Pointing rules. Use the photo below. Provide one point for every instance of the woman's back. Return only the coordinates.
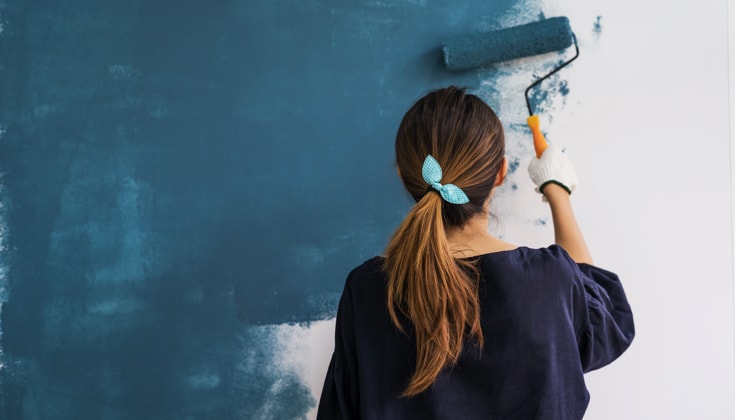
(424, 333)
(541, 316)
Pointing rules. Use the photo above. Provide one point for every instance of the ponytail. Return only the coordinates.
(430, 290)
(435, 291)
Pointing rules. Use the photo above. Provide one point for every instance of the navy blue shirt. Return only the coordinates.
(546, 320)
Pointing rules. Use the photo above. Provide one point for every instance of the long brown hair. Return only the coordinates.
(434, 290)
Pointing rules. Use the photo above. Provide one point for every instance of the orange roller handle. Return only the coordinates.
(539, 141)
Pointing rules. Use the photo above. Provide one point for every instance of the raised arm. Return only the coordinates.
(555, 178)
(567, 233)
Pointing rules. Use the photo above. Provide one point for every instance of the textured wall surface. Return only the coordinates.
(180, 174)
(186, 184)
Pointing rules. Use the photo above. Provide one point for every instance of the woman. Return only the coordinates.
(453, 323)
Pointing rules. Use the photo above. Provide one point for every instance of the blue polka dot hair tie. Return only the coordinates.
(432, 174)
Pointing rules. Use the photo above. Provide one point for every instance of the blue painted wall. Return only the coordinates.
(177, 171)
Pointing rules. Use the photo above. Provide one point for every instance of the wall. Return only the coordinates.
(186, 185)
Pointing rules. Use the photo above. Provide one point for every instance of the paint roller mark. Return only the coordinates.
(513, 165)
(268, 377)
(546, 94)
(123, 73)
(282, 368)
(203, 381)
(597, 25)
(563, 88)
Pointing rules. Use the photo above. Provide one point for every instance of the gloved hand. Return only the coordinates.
(553, 166)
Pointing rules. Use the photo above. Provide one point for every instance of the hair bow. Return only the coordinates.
(432, 174)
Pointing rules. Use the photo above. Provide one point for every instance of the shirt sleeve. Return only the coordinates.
(340, 394)
(603, 315)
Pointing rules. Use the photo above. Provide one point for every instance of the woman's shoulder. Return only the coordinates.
(525, 264)
(370, 271)
(548, 260)
(553, 254)
(370, 266)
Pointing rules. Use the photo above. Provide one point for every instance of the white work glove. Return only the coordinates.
(553, 166)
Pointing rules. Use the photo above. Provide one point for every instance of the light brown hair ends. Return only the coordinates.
(434, 290)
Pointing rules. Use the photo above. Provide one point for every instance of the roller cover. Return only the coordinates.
(477, 50)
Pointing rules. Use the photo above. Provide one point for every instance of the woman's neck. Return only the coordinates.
(473, 239)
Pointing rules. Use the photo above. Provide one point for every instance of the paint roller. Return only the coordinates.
(482, 49)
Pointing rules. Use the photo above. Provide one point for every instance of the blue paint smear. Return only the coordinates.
(177, 173)
(597, 25)
(513, 165)
(542, 95)
(564, 88)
